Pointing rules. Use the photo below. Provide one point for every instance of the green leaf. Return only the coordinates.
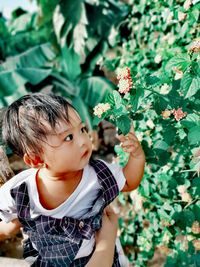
(66, 15)
(196, 187)
(95, 90)
(161, 145)
(190, 85)
(70, 62)
(182, 62)
(124, 124)
(152, 80)
(82, 109)
(34, 75)
(117, 99)
(184, 218)
(35, 57)
(10, 81)
(194, 136)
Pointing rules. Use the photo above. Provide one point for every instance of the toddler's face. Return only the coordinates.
(69, 147)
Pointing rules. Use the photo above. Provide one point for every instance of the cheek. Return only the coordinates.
(89, 142)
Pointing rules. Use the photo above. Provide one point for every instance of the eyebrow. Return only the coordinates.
(67, 130)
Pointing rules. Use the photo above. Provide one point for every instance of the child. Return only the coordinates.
(59, 201)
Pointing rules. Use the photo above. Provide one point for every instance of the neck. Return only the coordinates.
(46, 174)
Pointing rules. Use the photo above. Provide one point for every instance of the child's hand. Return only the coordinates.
(131, 144)
(107, 234)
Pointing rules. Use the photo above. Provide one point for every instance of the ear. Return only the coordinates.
(33, 160)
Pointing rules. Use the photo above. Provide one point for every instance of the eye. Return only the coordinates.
(69, 137)
(84, 129)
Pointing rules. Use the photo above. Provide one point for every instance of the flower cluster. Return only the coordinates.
(178, 114)
(196, 244)
(195, 46)
(196, 227)
(125, 80)
(185, 196)
(101, 108)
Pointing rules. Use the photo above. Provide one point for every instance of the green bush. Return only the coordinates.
(59, 49)
(157, 44)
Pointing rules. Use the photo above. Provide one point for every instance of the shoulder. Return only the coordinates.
(117, 172)
(17, 180)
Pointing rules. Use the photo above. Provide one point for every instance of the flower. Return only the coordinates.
(186, 197)
(181, 16)
(165, 88)
(196, 244)
(196, 227)
(101, 108)
(166, 238)
(125, 80)
(187, 4)
(123, 73)
(181, 189)
(179, 114)
(158, 59)
(125, 85)
(195, 46)
(150, 124)
(166, 114)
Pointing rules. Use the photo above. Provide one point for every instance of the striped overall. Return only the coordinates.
(57, 241)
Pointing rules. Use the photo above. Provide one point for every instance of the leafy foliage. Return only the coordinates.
(59, 48)
(164, 103)
(56, 49)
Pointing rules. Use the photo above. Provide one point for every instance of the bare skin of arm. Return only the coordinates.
(105, 241)
(134, 169)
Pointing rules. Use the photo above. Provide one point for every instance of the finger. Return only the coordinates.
(132, 128)
(121, 138)
(129, 149)
(127, 143)
(108, 209)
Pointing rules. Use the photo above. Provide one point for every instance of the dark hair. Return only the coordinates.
(22, 128)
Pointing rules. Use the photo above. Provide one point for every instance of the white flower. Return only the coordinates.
(123, 73)
(165, 88)
(157, 59)
(195, 46)
(101, 108)
(150, 124)
(181, 189)
(186, 197)
(124, 85)
(137, 200)
(181, 16)
(153, 18)
(166, 238)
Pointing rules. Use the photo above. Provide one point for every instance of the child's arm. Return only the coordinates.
(9, 229)
(134, 169)
(105, 241)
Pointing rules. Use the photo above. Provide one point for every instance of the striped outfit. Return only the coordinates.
(57, 241)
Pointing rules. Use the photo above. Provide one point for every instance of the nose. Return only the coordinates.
(81, 141)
